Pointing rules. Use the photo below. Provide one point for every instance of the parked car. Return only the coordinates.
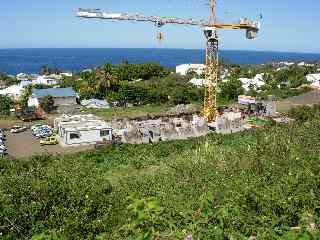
(17, 129)
(41, 131)
(34, 127)
(3, 147)
(43, 134)
(49, 141)
(2, 136)
(3, 153)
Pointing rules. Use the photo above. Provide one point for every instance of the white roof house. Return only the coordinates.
(22, 76)
(198, 82)
(183, 69)
(15, 91)
(313, 77)
(46, 80)
(66, 74)
(314, 80)
(257, 82)
(82, 129)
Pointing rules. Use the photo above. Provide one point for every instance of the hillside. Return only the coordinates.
(257, 183)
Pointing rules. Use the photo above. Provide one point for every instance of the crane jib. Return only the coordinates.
(160, 21)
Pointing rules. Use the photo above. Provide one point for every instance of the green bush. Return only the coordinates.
(6, 104)
(305, 113)
(146, 71)
(161, 91)
(230, 90)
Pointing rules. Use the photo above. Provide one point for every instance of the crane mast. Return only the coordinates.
(212, 43)
(212, 67)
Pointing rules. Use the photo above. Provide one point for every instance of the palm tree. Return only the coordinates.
(45, 70)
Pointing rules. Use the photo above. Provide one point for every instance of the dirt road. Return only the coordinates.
(22, 145)
(309, 98)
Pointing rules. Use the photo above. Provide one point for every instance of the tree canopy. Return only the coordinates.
(47, 103)
(6, 104)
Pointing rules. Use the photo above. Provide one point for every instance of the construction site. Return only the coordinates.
(210, 118)
(244, 115)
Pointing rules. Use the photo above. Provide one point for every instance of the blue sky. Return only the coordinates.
(288, 25)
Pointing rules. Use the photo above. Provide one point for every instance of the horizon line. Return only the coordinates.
(152, 48)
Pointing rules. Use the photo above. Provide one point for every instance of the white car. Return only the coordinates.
(3, 147)
(34, 127)
(17, 129)
(3, 152)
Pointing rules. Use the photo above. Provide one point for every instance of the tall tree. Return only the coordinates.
(47, 103)
(45, 70)
(25, 95)
(5, 105)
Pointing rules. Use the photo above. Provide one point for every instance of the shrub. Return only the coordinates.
(6, 104)
(305, 113)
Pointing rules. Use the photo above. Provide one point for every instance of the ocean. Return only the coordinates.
(13, 61)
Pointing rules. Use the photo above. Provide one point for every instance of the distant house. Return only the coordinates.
(22, 76)
(47, 80)
(61, 96)
(15, 91)
(256, 82)
(66, 74)
(183, 69)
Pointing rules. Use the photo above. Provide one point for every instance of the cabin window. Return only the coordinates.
(104, 133)
(74, 135)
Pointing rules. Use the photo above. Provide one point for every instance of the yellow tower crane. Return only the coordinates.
(212, 45)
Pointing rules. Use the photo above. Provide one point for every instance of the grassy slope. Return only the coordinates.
(254, 183)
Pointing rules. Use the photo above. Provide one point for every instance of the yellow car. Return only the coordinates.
(49, 141)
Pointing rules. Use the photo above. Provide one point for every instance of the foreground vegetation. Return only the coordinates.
(256, 183)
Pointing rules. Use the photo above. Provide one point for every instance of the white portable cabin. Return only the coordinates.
(82, 130)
